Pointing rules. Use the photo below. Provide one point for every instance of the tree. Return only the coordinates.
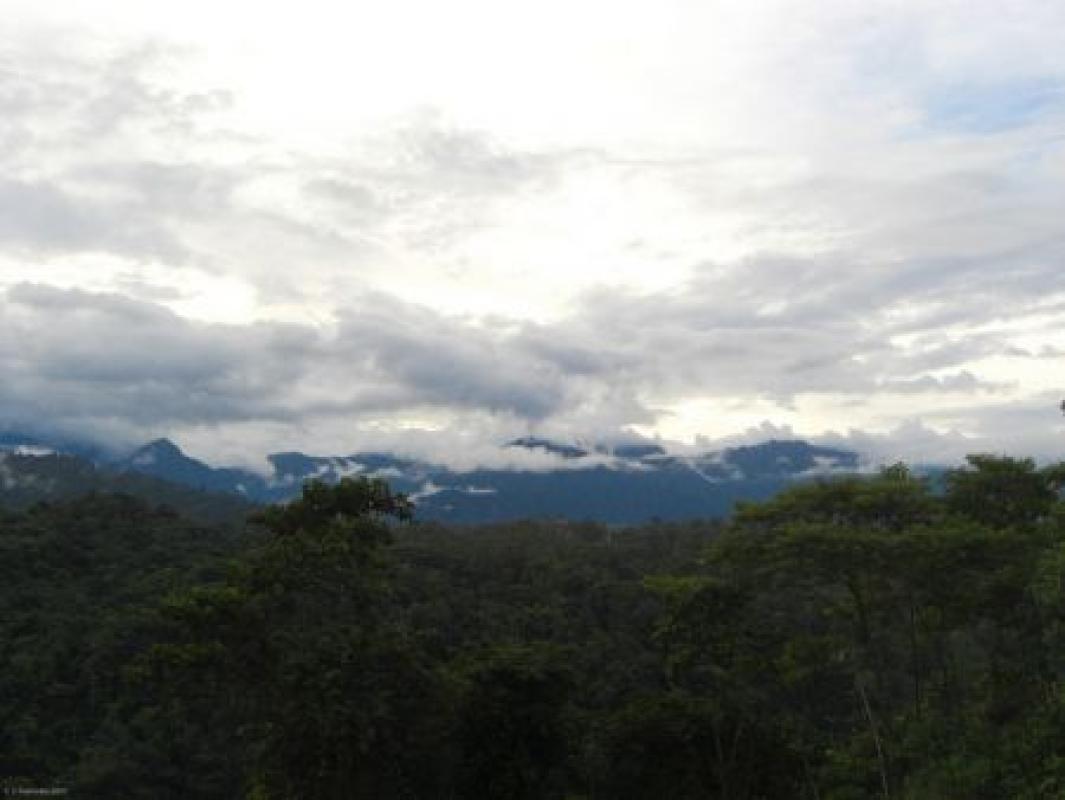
(1001, 492)
(510, 724)
(298, 653)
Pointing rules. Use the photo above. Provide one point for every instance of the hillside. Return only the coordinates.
(863, 637)
(626, 484)
(28, 478)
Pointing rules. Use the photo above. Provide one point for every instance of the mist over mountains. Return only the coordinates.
(617, 484)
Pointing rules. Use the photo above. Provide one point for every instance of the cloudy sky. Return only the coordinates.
(435, 226)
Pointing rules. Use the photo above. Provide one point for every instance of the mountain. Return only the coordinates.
(618, 484)
(641, 482)
(163, 459)
(22, 442)
(547, 446)
(28, 476)
(781, 459)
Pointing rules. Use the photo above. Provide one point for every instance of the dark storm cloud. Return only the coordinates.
(69, 355)
(766, 327)
(442, 362)
(77, 354)
(73, 355)
(106, 135)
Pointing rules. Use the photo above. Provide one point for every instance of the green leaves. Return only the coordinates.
(851, 638)
(299, 632)
(323, 506)
(511, 729)
(1002, 492)
(890, 501)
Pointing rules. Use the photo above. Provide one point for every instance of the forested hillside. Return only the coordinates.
(619, 484)
(29, 479)
(851, 638)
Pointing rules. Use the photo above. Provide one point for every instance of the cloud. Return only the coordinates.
(963, 381)
(687, 219)
(1032, 429)
(42, 218)
(444, 362)
(89, 164)
(78, 359)
(104, 361)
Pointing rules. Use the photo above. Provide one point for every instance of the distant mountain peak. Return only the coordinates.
(158, 448)
(161, 443)
(624, 481)
(788, 456)
(164, 459)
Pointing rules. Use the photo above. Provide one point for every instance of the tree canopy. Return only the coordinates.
(872, 636)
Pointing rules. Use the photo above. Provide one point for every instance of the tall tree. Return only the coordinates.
(300, 655)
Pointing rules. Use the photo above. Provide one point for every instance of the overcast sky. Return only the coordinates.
(434, 226)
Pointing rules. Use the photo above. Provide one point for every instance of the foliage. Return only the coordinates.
(854, 638)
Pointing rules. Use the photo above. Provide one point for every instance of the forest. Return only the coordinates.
(859, 637)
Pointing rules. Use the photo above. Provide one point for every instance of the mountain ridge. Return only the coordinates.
(620, 484)
(27, 479)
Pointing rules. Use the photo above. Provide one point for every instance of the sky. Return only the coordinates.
(433, 227)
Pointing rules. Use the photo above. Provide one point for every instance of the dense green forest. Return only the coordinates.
(865, 637)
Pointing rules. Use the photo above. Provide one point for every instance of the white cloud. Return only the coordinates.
(685, 217)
